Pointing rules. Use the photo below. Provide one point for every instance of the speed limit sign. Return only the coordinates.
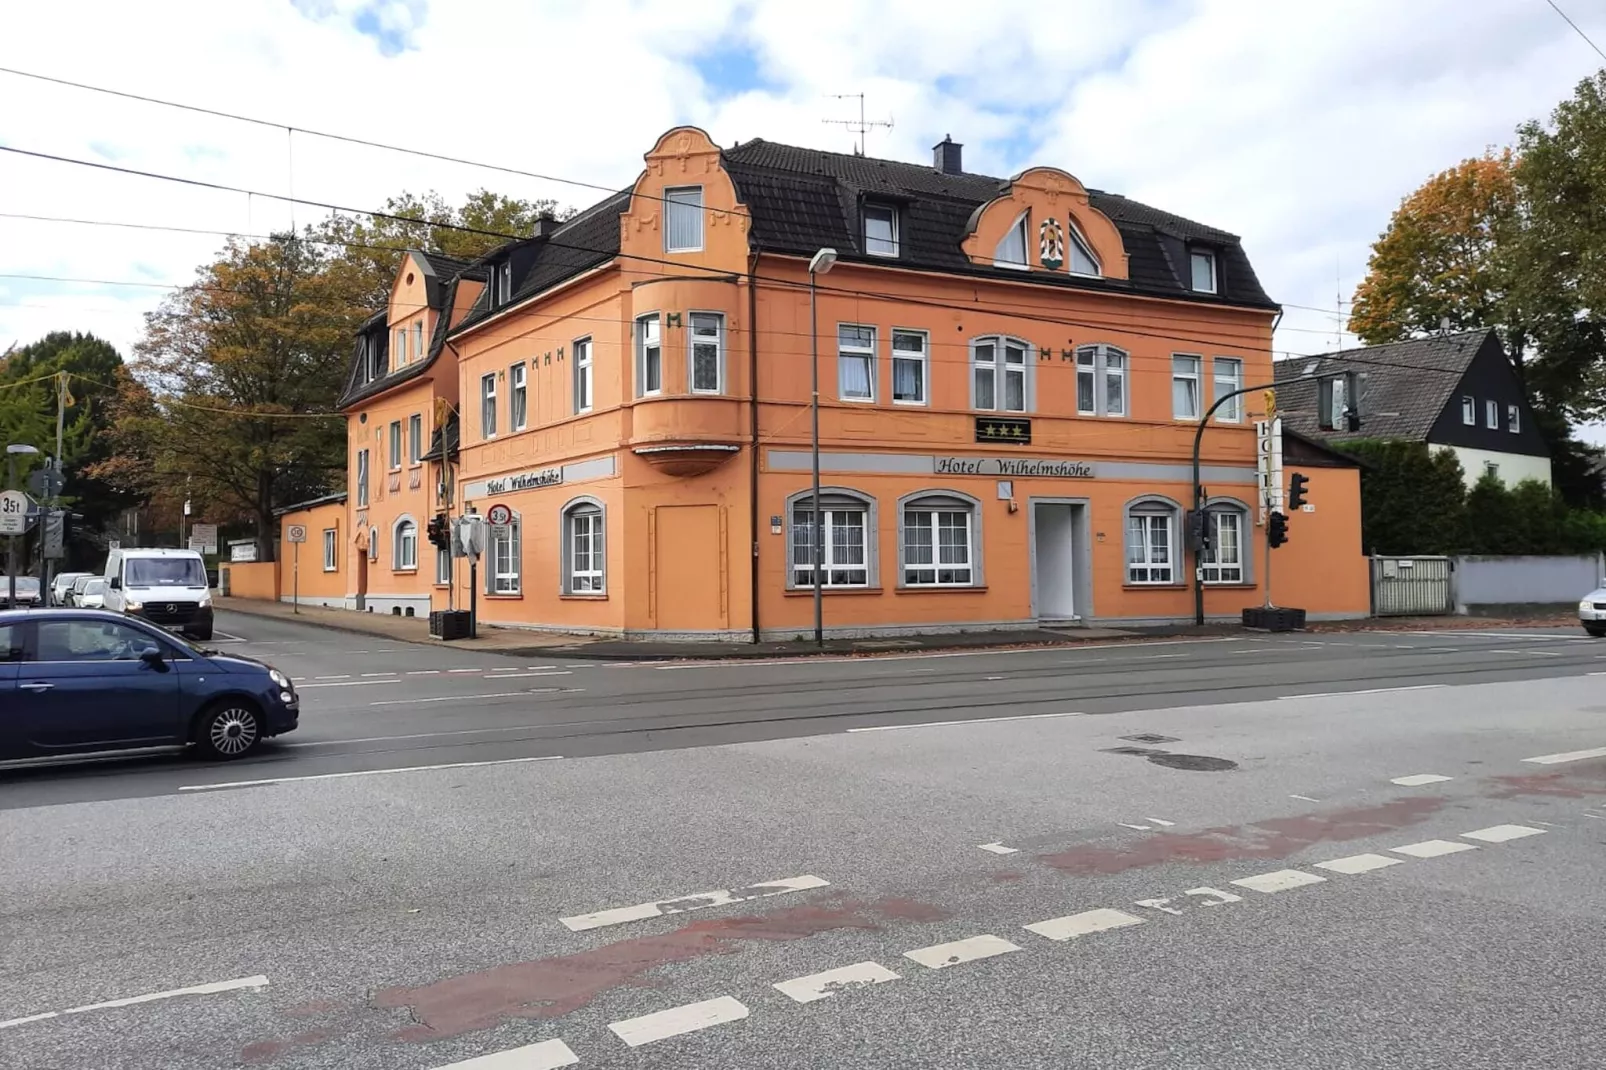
(295, 533)
(499, 516)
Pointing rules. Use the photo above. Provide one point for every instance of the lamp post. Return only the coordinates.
(822, 262)
(13, 451)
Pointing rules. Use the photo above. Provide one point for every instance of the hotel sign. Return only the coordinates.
(1014, 467)
(532, 480)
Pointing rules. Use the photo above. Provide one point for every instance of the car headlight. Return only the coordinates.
(134, 605)
(206, 599)
(1586, 604)
(279, 679)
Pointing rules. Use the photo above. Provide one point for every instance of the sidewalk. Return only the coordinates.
(517, 642)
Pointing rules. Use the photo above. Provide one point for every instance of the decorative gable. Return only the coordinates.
(1043, 221)
(684, 205)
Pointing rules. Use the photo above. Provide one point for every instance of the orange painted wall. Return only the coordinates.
(253, 579)
(1321, 567)
(301, 573)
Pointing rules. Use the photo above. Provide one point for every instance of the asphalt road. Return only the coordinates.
(1025, 859)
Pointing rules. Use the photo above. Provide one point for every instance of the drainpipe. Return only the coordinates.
(752, 406)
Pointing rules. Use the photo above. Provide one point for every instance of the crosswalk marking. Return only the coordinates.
(661, 1025)
(1568, 756)
(1358, 863)
(1502, 833)
(547, 1055)
(1432, 848)
(1416, 780)
(1088, 921)
(941, 956)
(827, 984)
(1278, 880)
(700, 901)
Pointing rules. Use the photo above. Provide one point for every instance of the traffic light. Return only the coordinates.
(1276, 530)
(1296, 490)
(440, 535)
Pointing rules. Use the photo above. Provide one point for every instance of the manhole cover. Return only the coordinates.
(1140, 751)
(1193, 762)
(1151, 737)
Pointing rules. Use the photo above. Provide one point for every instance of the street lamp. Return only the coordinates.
(822, 262)
(13, 451)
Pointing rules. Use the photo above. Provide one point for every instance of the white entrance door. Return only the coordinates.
(1055, 571)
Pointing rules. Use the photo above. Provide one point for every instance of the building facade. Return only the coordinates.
(1010, 376)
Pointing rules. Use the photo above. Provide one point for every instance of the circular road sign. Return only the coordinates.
(499, 515)
(295, 532)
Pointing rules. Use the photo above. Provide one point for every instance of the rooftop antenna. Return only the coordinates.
(859, 126)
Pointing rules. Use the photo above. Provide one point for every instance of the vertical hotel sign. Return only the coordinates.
(1269, 464)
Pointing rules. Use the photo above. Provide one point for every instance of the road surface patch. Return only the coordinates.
(547, 1055)
(660, 1025)
(1502, 833)
(1088, 921)
(700, 901)
(1363, 863)
(827, 984)
(1279, 880)
(958, 952)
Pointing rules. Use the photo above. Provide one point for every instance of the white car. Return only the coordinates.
(61, 585)
(93, 596)
(1592, 612)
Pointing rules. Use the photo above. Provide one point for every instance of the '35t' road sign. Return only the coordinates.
(14, 509)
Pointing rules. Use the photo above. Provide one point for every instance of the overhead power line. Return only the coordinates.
(1577, 29)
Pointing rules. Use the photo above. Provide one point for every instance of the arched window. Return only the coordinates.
(404, 544)
(1000, 374)
(847, 521)
(1152, 524)
(373, 544)
(1227, 556)
(585, 560)
(939, 540)
(1011, 250)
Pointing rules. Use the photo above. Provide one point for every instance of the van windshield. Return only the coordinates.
(163, 572)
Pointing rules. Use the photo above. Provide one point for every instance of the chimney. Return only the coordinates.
(945, 156)
(545, 224)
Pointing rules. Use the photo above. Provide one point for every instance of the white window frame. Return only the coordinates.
(1491, 468)
(1228, 375)
(443, 566)
(1215, 569)
(518, 396)
(1208, 257)
(331, 551)
(373, 544)
(1021, 227)
(395, 444)
(1079, 242)
(835, 503)
(592, 581)
(418, 339)
(697, 326)
(509, 581)
(488, 405)
(1154, 512)
(363, 474)
(1469, 410)
(415, 439)
(891, 213)
(504, 283)
(929, 504)
(1000, 367)
(401, 346)
(649, 341)
(1187, 372)
(1491, 415)
(404, 544)
(1093, 367)
(1514, 419)
(921, 359)
(855, 350)
(584, 382)
(678, 199)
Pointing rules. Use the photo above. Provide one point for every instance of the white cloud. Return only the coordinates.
(1297, 126)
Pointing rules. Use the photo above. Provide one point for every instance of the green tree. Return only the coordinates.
(1413, 500)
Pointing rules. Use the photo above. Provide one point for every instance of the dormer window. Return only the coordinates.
(504, 284)
(1083, 262)
(1011, 251)
(880, 230)
(1203, 262)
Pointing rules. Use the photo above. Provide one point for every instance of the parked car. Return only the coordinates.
(93, 596)
(61, 587)
(1592, 612)
(74, 681)
(166, 587)
(78, 587)
(27, 588)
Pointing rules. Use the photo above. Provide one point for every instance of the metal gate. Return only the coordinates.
(1411, 586)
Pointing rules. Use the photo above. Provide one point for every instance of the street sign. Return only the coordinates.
(45, 482)
(55, 534)
(15, 512)
(206, 534)
(499, 516)
(242, 550)
(198, 544)
(295, 533)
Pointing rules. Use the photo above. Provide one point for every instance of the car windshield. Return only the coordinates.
(163, 572)
(25, 584)
(95, 587)
(82, 583)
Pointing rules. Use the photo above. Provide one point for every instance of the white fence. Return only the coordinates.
(1509, 581)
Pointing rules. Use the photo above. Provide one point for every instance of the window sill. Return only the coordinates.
(331, 570)
(404, 571)
(505, 597)
(922, 588)
(1235, 585)
(857, 401)
(1177, 586)
(601, 596)
(910, 404)
(808, 592)
(442, 586)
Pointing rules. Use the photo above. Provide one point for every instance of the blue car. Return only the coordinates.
(74, 681)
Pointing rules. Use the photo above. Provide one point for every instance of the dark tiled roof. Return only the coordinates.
(357, 390)
(446, 436)
(439, 269)
(1405, 386)
(327, 499)
(805, 199)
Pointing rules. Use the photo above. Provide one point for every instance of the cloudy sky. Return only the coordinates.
(1296, 125)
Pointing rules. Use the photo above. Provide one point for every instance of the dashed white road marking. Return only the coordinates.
(365, 772)
(1568, 756)
(1416, 780)
(423, 672)
(825, 985)
(256, 983)
(1502, 833)
(1088, 921)
(682, 904)
(522, 675)
(1140, 828)
(452, 698)
(954, 953)
(380, 674)
(1365, 691)
(970, 720)
(1432, 848)
(661, 1025)
(348, 683)
(1305, 798)
(465, 670)
(1280, 880)
(551, 666)
(998, 848)
(1364, 863)
(1162, 823)
(547, 1055)
(339, 676)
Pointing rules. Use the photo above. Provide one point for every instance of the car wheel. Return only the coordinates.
(1596, 630)
(229, 729)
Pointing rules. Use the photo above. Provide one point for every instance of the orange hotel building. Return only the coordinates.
(1011, 371)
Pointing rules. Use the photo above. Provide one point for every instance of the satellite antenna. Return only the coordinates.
(859, 126)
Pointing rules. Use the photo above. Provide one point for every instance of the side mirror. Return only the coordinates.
(152, 657)
(116, 583)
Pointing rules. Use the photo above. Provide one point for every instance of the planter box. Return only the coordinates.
(449, 624)
(1277, 619)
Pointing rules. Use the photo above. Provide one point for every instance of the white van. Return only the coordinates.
(166, 587)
